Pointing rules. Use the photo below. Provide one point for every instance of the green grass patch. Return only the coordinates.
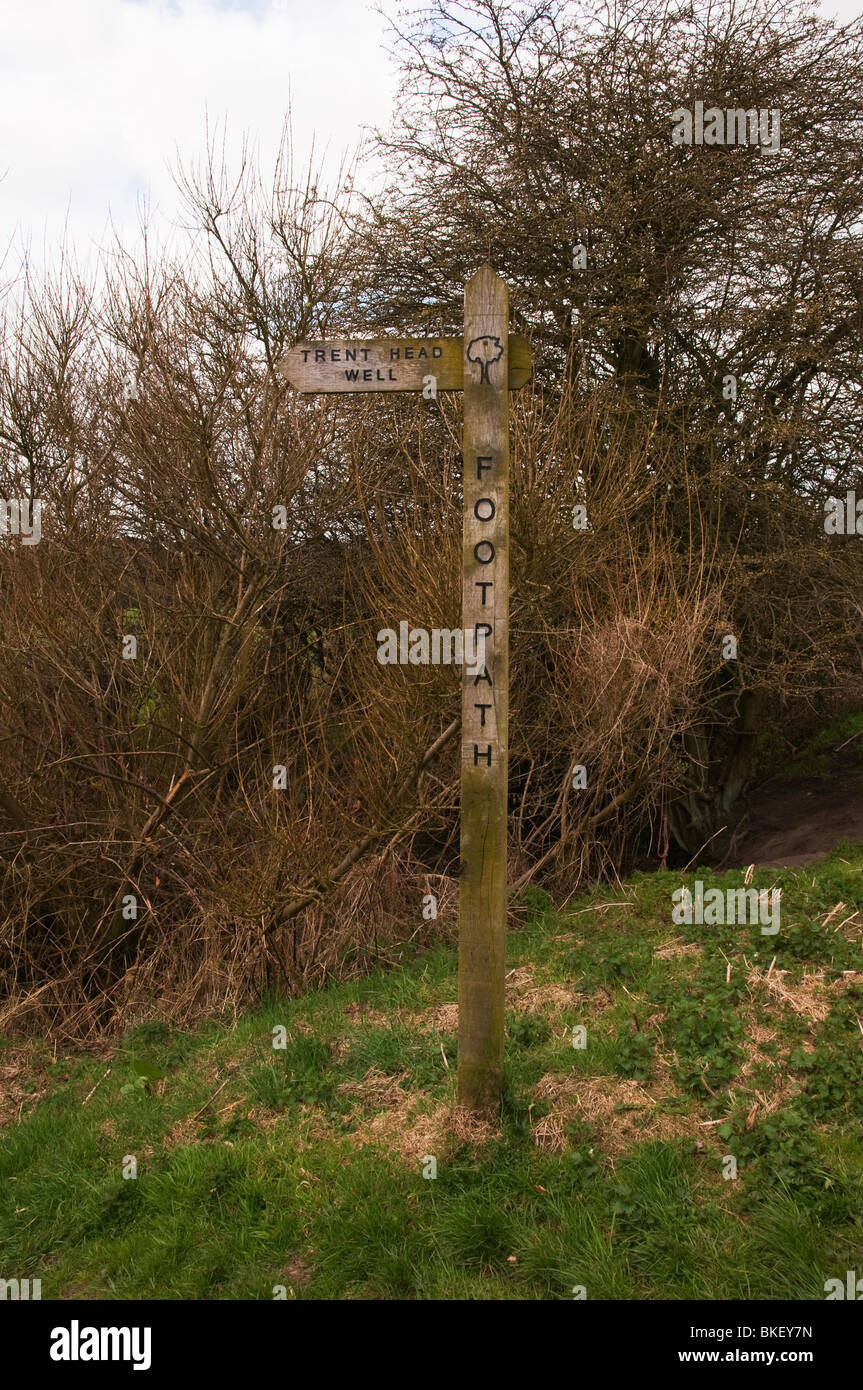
(306, 1167)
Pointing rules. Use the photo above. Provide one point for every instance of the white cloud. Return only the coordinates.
(97, 98)
(843, 10)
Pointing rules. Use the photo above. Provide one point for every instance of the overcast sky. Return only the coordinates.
(97, 97)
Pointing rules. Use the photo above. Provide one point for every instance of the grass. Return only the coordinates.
(300, 1169)
(818, 756)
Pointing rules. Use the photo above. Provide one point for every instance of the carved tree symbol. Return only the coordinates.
(484, 351)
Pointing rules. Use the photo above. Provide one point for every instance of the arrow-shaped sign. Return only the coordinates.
(399, 364)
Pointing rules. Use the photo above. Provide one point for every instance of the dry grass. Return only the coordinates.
(376, 1088)
(776, 1087)
(364, 1013)
(297, 1273)
(552, 998)
(13, 1074)
(674, 950)
(183, 1132)
(620, 1111)
(411, 1132)
(441, 1018)
(811, 997)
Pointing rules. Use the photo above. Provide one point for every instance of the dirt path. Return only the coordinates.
(785, 824)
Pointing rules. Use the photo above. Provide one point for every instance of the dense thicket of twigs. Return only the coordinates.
(146, 411)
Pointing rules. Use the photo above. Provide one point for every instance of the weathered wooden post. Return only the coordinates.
(485, 693)
(486, 365)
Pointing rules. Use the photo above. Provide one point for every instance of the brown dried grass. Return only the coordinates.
(810, 997)
(376, 1088)
(412, 1132)
(620, 1111)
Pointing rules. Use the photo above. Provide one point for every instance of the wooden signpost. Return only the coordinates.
(390, 364)
(487, 363)
(485, 697)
